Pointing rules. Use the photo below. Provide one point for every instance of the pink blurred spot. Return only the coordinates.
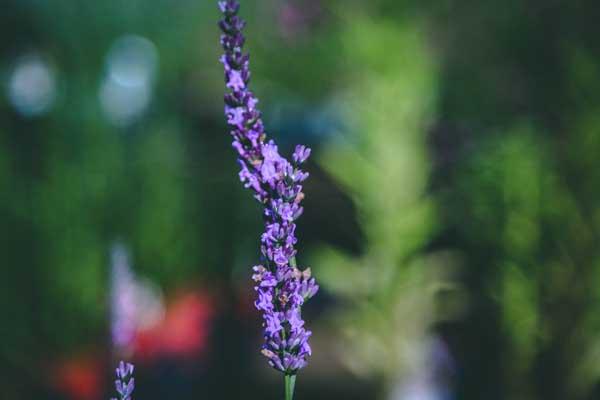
(183, 332)
(296, 19)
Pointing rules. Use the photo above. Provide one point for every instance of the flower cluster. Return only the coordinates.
(125, 382)
(281, 286)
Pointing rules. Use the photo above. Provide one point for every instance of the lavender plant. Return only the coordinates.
(281, 286)
(125, 382)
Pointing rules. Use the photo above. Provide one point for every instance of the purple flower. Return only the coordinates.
(301, 154)
(265, 299)
(235, 80)
(235, 115)
(281, 287)
(229, 7)
(125, 382)
(124, 370)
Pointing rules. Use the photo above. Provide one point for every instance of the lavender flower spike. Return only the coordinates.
(282, 287)
(125, 382)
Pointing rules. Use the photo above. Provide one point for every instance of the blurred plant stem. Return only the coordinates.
(389, 290)
(290, 382)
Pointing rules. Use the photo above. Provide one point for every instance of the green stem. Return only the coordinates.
(290, 382)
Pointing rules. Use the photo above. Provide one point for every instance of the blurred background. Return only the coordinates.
(451, 215)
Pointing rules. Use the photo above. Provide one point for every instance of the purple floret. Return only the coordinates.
(281, 287)
(125, 382)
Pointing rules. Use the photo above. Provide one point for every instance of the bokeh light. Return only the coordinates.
(32, 86)
(127, 88)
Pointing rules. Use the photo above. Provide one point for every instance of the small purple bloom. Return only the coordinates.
(235, 115)
(281, 287)
(270, 152)
(268, 171)
(229, 7)
(272, 323)
(265, 300)
(301, 154)
(124, 369)
(279, 257)
(125, 382)
(293, 317)
(235, 80)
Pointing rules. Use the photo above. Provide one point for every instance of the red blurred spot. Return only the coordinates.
(79, 378)
(182, 333)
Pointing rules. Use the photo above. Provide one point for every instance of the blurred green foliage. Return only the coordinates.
(382, 163)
